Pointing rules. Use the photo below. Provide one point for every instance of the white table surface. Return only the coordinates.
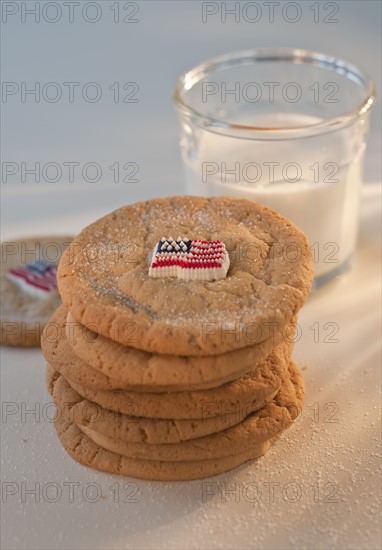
(323, 461)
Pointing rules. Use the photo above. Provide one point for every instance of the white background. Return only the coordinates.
(317, 456)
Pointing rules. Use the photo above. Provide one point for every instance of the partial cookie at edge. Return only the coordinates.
(23, 316)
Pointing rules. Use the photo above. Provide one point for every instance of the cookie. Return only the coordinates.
(29, 293)
(58, 353)
(256, 428)
(127, 427)
(94, 361)
(154, 372)
(257, 386)
(193, 459)
(83, 449)
(104, 276)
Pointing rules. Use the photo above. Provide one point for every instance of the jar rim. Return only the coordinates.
(246, 57)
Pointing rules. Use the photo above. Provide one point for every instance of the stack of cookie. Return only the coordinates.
(170, 359)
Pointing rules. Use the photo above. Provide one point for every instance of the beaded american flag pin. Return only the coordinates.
(190, 260)
(38, 278)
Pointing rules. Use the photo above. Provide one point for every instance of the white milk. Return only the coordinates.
(323, 201)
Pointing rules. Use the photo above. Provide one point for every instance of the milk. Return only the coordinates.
(315, 183)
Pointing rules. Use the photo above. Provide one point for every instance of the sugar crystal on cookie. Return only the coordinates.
(190, 260)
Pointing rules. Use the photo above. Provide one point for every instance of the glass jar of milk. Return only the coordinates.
(285, 128)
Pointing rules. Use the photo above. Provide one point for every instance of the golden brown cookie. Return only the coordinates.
(156, 372)
(127, 427)
(254, 429)
(83, 449)
(28, 289)
(193, 459)
(256, 387)
(104, 276)
(93, 361)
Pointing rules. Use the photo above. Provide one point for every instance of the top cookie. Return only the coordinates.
(104, 277)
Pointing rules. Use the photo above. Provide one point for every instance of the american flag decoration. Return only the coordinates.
(190, 260)
(38, 278)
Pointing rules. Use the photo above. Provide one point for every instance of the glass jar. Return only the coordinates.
(286, 128)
